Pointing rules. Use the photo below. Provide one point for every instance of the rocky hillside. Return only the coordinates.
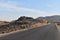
(21, 23)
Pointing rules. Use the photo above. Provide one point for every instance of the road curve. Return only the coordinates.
(48, 32)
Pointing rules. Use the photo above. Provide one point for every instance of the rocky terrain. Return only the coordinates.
(21, 23)
(26, 22)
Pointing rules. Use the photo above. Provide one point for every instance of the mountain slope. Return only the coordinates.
(21, 23)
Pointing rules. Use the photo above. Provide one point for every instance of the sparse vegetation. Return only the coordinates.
(22, 23)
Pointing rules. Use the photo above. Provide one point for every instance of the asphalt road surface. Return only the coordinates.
(48, 32)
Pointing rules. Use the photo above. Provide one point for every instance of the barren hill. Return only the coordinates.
(21, 23)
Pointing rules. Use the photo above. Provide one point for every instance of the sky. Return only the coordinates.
(13, 9)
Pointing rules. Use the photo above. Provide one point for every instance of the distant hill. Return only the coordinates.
(3, 22)
(55, 18)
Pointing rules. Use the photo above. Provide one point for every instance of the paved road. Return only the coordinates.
(47, 32)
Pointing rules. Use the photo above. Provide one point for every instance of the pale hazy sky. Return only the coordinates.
(12, 9)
